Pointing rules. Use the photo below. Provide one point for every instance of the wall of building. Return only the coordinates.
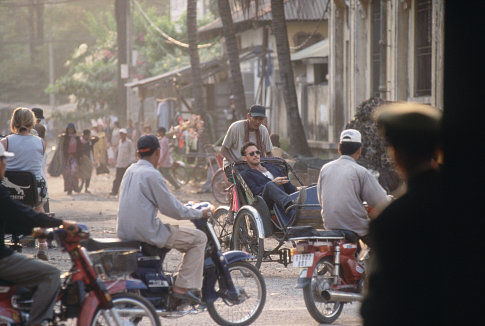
(350, 65)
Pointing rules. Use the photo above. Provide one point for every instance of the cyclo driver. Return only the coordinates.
(19, 269)
(144, 193)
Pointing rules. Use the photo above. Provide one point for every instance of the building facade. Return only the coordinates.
(387, 48)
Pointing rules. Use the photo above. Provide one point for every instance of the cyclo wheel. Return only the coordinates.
(252, 291)
(131, 309)
(223, 222)
(219, 185)
(245, 236)
(321, 310)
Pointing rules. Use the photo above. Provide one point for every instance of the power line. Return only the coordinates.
(314, 31)
(165, 35)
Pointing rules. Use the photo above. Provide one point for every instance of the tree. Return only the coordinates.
(197, 85)
(237, 87)
(298, 142)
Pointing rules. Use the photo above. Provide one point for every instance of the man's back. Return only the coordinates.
(342, 187)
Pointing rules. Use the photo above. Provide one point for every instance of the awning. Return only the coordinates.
(317, 50)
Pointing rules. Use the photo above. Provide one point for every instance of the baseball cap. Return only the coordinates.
(147, 143)
(123, 131)
(350, 136)
(3, 152)
(38, 112)
(257, 111)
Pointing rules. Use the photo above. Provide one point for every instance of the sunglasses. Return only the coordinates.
(254, 153)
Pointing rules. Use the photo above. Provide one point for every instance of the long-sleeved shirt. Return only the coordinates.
(17, 218)
(144, 193)
(343, 186)
(126, 153)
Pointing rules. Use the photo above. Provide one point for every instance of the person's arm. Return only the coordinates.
(227, 155)
(268, 146)
(21, 217)
(373, 194)
(167, 204)
(94, 139)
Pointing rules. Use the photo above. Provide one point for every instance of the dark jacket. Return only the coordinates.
(65, 145)
(406, 245)
(257, 180)
(17, 218)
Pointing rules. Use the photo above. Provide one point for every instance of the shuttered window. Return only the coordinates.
(422, 48)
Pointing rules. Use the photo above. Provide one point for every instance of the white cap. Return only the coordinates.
(351, 136)
(3, 152)
(123, 131)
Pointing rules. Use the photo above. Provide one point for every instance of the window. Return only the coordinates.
(320, 73)
(422, 48)
(375, 46)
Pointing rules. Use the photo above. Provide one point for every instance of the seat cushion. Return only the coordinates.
(109, 243)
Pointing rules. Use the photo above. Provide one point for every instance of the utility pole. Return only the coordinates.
(52, 96)
(123, 17)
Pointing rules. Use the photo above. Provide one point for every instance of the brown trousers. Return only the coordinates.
(191, 242)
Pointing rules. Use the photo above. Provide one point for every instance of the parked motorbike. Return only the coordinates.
(83, 294)
(233, 291)
(331, 273)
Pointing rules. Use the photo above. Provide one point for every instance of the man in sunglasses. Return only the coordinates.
(242, 131)
(268, 181)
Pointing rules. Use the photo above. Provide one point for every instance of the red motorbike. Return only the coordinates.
(83, 295)
(331, 272)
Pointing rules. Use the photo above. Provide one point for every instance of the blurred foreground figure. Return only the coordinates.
(405, 272)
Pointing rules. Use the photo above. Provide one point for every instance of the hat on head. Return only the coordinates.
(350, 136)
(3, 152)
(257, 111)
(38, 112)
(410, 125)
(123, 131)
(147, 143)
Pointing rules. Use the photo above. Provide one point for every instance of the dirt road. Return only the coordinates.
(284, 305)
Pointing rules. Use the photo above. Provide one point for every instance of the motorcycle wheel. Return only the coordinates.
(252, 289)
(223, 221)
(181, 174)
(245, 236)
(322, 311)
(131, 309)
(219, 186)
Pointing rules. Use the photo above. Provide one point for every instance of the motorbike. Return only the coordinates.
(332, 271)
(233, 291)
(83, 294)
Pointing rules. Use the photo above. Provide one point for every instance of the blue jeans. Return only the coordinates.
(273, 194)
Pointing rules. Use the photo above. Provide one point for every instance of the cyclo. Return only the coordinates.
(248, 221)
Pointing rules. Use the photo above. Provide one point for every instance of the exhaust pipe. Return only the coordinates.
(334, 296)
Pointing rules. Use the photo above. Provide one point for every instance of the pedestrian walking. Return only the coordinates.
(86, 161)
(100, 155)
(165, 162)
(71, 145)
(126, 156)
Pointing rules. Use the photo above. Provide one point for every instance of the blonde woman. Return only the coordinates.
(29, 154)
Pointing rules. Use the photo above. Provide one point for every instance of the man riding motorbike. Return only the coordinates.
(144, 193)
(343, 186)
(18, 218)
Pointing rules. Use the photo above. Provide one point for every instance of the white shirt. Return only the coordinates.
(126, 154)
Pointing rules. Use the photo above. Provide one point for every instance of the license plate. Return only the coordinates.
(303, 260)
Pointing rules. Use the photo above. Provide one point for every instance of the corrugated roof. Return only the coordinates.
(317, 50)
(295, 10)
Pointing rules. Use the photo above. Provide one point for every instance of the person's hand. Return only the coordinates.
(207, 212)
(70, 227)
(280, 180)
